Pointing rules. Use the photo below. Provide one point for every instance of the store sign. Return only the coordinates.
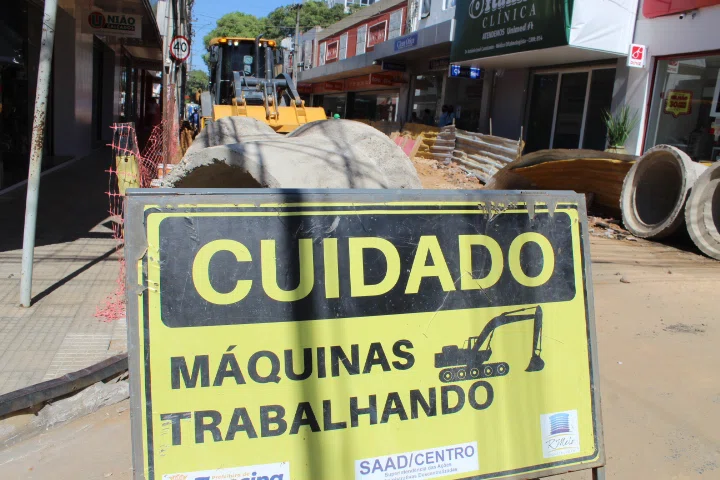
(338, 86)
(466, 72)
(393, 66)
(113, 24)
(305, 88)
(357, 83)
(407, 42)
(439, 64)
(490, 28)
(376, 79)
(331, 53)
(658, 8)
(637, 56)
(270, 331)
(377, 33)
(678, 102)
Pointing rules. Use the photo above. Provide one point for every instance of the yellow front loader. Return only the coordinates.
(247, 79)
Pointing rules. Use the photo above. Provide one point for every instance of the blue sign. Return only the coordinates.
(408, 41)
(466, 72)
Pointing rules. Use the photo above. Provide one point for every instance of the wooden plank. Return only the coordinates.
(72, 382)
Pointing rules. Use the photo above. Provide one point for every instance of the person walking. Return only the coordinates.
(195, 118)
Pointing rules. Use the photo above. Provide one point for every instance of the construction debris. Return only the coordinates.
(485, 155)
(595, 173)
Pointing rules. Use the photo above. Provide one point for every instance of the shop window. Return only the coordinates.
(448, 4)
(307, 55)
(425, 97)
(425, 8)
(321, 57)
(343, 46)
(395, 24)
(361, 39)
(685, 110)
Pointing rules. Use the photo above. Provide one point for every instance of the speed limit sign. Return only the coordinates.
(180, 48)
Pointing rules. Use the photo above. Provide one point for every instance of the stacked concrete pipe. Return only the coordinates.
(655, 191)
(702, 212)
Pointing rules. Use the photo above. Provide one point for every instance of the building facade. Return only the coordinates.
(380, 65)
(555, 67)
(107, 67)
(347, 3)
(677, 93)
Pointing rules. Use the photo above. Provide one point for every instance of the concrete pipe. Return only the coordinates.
(702, 212)
(654, 192)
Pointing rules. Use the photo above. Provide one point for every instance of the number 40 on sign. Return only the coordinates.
(180, 48)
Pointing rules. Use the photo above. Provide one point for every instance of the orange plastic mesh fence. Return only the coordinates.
(132, 168)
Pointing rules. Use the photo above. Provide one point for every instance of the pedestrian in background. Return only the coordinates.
(428, 117)
(444, 117)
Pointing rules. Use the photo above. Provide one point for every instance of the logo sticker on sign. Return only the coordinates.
(637, 56)
(560, 434)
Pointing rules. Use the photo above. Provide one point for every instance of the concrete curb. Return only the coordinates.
(72, 382)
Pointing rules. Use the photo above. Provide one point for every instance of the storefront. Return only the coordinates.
(685, 108)
(373, 97)
(565, 107)
(550, 66)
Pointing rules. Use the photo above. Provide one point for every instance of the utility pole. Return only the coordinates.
(296, 53)
(36, 150)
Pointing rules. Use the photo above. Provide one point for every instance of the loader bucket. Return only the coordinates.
(536, 363)
(288, 119)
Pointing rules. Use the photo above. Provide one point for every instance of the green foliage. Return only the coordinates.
(278, 24)
(236, 24)
(619, 125)
(281, 21)
(196, 79)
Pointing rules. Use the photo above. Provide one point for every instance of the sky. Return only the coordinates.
(207, 12)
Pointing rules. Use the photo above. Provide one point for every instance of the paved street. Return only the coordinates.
(660, 397)
(76, 269)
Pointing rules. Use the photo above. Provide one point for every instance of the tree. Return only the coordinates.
(280, 22)
(236, 24)
(196, 79)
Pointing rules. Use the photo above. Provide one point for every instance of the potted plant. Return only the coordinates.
(618, 128)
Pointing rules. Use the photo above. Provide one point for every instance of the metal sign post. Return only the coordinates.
(318, 335)
(36, 150)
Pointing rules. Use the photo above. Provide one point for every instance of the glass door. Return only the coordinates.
(569, 110)
(566, 109)
(542, 110)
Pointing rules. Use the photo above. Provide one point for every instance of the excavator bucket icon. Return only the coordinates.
(471, 361)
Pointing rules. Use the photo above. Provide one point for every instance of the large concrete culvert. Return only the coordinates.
(241, 152)
(702, 212)
(655, 190)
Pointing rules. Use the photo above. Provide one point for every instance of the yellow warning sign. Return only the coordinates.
(443, 338)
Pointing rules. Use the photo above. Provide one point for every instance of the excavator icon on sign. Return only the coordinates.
(471, 361)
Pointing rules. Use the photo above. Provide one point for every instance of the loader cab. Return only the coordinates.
(228, 55)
